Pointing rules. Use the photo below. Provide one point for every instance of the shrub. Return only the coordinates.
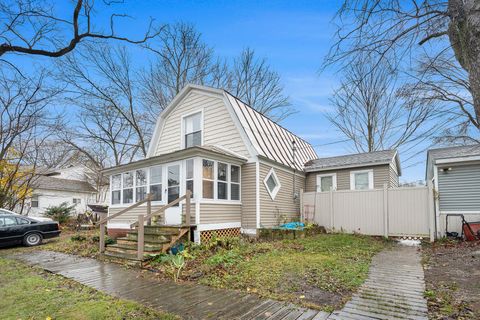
(61, 213)
(78, 238)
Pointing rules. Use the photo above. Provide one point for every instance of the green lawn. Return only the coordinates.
(29, 293)
(319, 271)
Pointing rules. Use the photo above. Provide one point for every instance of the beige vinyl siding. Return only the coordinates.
(272, 212)
(249, 206)
(132, 215)
(393, 176)
(220, 213)
(218, 126)
(381, 174)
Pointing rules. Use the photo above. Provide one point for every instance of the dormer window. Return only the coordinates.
(192, 127)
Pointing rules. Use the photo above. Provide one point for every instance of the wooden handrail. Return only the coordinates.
(186, 197)
(106, 219)
(141, 219)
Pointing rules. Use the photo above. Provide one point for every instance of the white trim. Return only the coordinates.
(320, 176)
(182, 126)
(117, 225)
(257, 192)
(437, 201)
(370, 178)
(248, 231)
(221, 201)
(218, 226)
(273, 193)
(361, 165)
(458, 159)
(460, 212)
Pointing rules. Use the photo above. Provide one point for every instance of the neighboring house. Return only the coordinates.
(455, 173)
(245, 171)
(370, 170)
(55, 186)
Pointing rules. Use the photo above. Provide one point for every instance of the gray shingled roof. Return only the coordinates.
(353, 160)
(51, 183)
(454, 152)
(448, 153)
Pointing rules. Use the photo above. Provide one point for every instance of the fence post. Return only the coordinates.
(431, 210)
(188, 206)
(332, 215)
(385, 211)
(149, 208)
(140, 236)
(302, 216)
(102, 237)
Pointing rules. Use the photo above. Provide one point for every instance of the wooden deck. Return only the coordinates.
(188, 301)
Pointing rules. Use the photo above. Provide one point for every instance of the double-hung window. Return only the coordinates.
(361, 180)
(156, 183)
(140, 184)
(234, 182)
(326, 182)
(127, 187)
(208, 179)
(116, 189)
(222, 181)
(189, 174)
(192, 125)
(34, 201)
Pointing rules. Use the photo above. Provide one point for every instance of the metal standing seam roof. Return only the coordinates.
(52, 183)
(351, 160)
(269, 138)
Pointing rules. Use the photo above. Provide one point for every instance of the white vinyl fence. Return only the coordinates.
(381, 212)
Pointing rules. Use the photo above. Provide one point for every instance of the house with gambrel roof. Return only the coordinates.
(245, 171)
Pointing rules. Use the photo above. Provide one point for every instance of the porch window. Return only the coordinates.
(140, 184)
(127, 187)
(156, 183)
(208, 179)
(272, 183)
(193, 130)
(189, 168)
(116, 189)
(361, 180)
(234, 182)
(222, 184)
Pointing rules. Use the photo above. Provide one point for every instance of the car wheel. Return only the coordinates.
(32, 239)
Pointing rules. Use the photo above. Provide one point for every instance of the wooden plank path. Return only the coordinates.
(394, 289)
(188, 301)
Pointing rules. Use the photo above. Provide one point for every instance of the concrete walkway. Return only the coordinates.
(394, 288)
(188, 301)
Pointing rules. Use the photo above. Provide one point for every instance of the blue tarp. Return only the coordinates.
(293, 226)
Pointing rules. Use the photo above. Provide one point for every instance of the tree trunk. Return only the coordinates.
(464, 34)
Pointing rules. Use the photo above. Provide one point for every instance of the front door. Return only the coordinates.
(173, 215)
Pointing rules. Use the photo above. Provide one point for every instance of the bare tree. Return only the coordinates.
(181, 57)
(24, 119)
(102, 84)
(254, 82)
(373, 113)
(37, 27)
(401, 32)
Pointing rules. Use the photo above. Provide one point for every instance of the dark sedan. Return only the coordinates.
(15, 229)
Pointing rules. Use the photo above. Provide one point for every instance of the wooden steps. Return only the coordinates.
(157, 239)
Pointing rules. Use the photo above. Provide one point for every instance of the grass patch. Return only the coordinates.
(319, 271)
(30, 293)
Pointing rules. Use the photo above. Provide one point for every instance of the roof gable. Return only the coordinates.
(261, 135)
